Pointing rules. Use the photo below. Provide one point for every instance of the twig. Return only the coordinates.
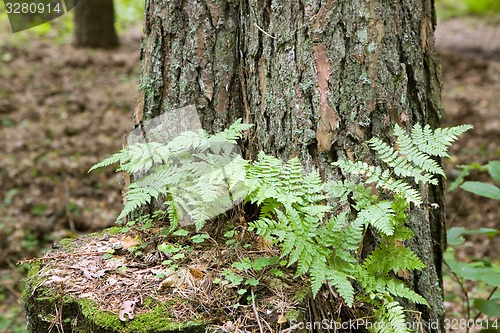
(265, 33)
(256, 313)
(29, 261)
(489, 298)
(464, 291)
(291, 328)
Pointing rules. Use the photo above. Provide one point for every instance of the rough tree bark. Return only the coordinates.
(317, 78)
(94, 24)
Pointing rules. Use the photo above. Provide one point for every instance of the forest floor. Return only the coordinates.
(63, 109)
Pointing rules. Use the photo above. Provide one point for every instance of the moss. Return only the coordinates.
(109, 231)
(32, 279)
(293, 315)
(66, 241)
(83, 315)
(156, 320)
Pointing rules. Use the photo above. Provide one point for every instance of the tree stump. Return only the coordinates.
(75, 289)
(95, 284)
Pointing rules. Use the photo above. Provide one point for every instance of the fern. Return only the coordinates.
(436, 143)
(382, 179)
(410, 151)
(390, 318)
(196, 171)
(319, 227)
(384, 260)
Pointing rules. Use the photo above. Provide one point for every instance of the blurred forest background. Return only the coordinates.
(62, 109)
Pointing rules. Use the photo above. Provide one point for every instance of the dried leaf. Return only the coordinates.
(195, 272)
(87, 274)
(128, 241)
(127, 308)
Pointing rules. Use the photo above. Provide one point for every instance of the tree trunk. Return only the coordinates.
(94, 24)
(317, 78)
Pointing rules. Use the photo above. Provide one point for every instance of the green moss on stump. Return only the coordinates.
(48, 313)
(48, 309)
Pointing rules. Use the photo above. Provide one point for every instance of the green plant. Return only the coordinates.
(298, 213)
(483, 189)
(200, 176)
(452, 8)
(483, 272)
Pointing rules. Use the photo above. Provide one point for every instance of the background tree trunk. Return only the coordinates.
(94, 24)
(317, 78)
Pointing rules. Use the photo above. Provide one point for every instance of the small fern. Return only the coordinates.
(319, 226)
(390, 318)
(199, 176)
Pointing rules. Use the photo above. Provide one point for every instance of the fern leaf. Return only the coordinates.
(399, 289)
(137, 197)
(400, 165)
(344, 287)
(318, 277)
(379, 215)
(380, 178)
(414, 155)
(436, 142)
(382, 261)
(390, 318)
(115, 158)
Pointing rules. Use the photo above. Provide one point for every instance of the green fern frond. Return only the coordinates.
(339, 189)
(389, 318)
(382, 179)
(236, 130)
(383, 260)
(115, 158)
(412, 153)
(344, 287)
(318, 277)
(379, 216)
(399, 165)
(137, 197)
(398, 288)
(436, 142)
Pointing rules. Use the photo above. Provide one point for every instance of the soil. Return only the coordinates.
(63, 109)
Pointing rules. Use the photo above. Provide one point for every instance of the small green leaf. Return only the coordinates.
(454, 236)
(489, 308)
(276, 272)
(476, 271)
(494, 170)
(242, 265)
(262, 262)
(490, 232)
(242, 291)
(181, 233)
(229, 234)
(200, 238)
(483, 189)
(178, 256)
(107, 256)
(252, 282)
(168, 248)
(230, 242)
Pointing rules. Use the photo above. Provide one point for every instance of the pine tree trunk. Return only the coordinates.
(94, 24)
(317, 78)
